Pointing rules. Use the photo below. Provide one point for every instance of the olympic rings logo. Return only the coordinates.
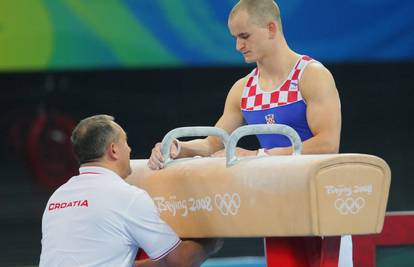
(349, 205)
(227, 204)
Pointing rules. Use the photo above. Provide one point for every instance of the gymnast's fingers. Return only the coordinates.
(156, 160)
(218, 154)
(175, 149)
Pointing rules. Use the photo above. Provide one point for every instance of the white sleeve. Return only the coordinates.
(148, 230)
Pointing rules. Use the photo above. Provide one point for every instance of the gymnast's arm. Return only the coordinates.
(187, 253)
(231, 119)
(323, 113)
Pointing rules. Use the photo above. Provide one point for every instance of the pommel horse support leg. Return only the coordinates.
(299, 196)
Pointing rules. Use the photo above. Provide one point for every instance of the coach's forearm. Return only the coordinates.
(189, 253)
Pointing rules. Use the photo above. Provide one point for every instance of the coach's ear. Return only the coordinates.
(112, 151)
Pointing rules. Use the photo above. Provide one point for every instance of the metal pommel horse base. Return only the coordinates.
(292, 200)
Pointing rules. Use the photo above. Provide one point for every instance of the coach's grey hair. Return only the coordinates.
(91, 137)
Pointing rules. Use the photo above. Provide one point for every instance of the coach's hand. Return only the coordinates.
(156, 160)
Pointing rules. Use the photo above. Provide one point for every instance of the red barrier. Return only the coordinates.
(398, 230)
(302, 251)
(316, 252)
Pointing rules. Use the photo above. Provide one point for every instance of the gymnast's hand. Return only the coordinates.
(156, 160)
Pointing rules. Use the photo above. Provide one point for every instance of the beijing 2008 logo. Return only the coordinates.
(349, 205)
(228, 204)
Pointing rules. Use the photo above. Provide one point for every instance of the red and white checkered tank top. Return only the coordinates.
(253, 98)
(284, 105)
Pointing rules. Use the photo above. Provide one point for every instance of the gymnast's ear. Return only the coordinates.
(273, 28)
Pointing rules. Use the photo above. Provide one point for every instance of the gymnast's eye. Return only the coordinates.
(244, 36)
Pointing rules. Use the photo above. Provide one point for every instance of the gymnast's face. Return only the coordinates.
(250, 38)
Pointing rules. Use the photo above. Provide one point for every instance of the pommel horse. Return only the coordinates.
(268, 196)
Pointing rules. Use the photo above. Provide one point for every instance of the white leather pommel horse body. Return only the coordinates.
(297, 195)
